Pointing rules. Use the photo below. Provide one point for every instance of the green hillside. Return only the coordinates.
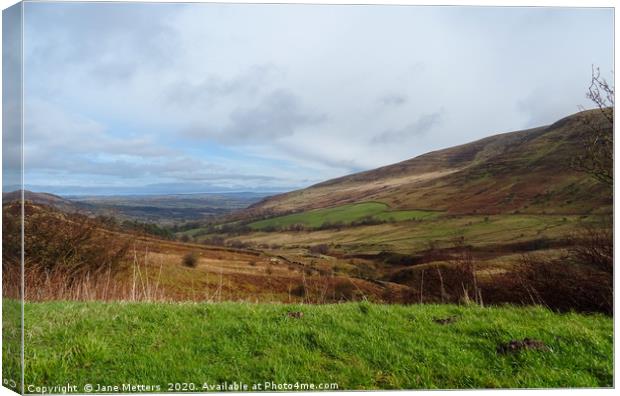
(344, 214)
(353, 345)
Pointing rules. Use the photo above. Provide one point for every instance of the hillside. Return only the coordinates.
(525, 171)
(100, 261)
(41, 198)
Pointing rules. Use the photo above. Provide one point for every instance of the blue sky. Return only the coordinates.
(215, 97)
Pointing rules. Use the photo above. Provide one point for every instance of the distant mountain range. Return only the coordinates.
(150, 189)
(168, 208)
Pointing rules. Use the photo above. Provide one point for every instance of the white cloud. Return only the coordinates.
(297, 91)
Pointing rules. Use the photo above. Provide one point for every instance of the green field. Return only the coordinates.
(344, 214)
(354, 345)
(407, 237)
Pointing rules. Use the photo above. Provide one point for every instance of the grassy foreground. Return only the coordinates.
(356, 345)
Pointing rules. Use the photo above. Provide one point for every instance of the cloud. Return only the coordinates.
(51, 130)
(108, 43)
(420, 127)
(11, 95)
(541, 103)
(393, 100)
(145, 93)
(213, 88)
(277, 115)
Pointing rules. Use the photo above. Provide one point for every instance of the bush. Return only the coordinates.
(215, 241)
(236, 244)
(319, 249)
(190, 259)
(61, 250)
(367, 271)
(564, 285)
(296, 227)
(595, 248)
(344, 290)
(299, 291)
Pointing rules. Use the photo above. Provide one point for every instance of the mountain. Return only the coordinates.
(525, 171)
(44, 199)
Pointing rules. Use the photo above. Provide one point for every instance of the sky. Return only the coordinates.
(169, 98)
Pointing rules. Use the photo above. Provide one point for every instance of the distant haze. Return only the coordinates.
(149, 189)
(170, 98)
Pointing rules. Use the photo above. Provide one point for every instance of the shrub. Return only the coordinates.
(190, 259)
(236, 244)
(594, 247)
(319, 249)
(344, 290)
(299, 290)
(296, 227)
(366, 270)
(215, 241)
(61, 251)
(564, 285)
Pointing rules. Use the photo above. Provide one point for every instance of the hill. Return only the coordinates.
(525, 171)
(42, 198)
(206, 345)
(105, 261)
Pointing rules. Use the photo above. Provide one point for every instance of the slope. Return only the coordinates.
(525, 171)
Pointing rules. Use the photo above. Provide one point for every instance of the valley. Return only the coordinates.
(479, 211)
(230, 197)
(462, 243)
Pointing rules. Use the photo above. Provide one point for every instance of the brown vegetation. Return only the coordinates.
(62, 252)
(74, 257)
(70, 256)
(581, 279)
(190, 259)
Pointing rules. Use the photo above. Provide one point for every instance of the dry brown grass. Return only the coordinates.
(72, 257)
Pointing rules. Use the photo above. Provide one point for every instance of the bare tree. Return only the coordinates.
(597, 137)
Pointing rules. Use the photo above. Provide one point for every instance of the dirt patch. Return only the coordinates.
(514, 346)
(446, 321)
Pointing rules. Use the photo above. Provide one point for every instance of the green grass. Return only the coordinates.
(11, 343)
(343, 214)
(356, 345)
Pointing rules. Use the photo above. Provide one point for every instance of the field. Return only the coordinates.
(382, 262)
(165, 209)
(407, 236)
(345, 344)
(343, 214)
